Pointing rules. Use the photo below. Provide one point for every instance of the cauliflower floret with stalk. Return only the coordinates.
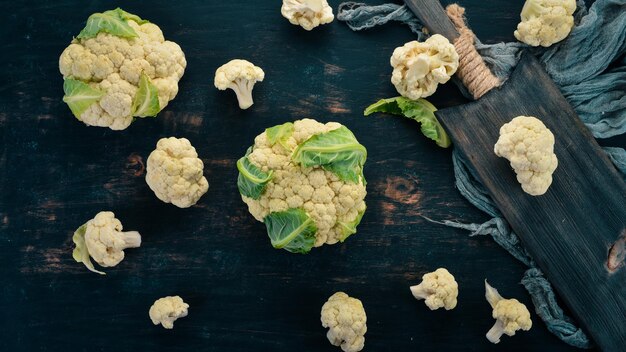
(345, 319)
(510, 315)
(418, 68)
(175, 173)
(240, 76)
(119, 67)
(305, 181)
(307, 14)
(545, 22)
(438, 290)
(529, 146)
(102, 239)
(167, 310)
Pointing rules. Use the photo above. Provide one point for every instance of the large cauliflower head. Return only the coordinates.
(175, 173)
(102, 239)
(510, 314)
(545, 22)
(167, 310)
(305, 181)
(438, 289)
(307, 14)
(118, 67)
(529, 146)
(418, 68)
(345, 319)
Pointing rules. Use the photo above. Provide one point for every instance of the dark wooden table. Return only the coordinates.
(245, 296)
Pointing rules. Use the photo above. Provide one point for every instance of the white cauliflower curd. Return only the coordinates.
(529, 146)
(102, 239)
(510, 314)
(307, 14)
(545, 22)
(438, 290)
(167, 310)
(175, 173)
(305, 181)
(119, 67)
(346, 320)
(418, 68)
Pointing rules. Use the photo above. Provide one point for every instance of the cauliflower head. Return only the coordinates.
(240, 76)
(119, 67)
(438, 289)
(529, 146)
(545, 22)
(305, 181)
(418, 68)
(175, 173)
(510, 314)
(345, 319)
(102, 239)
(307, 14)
(167, 310)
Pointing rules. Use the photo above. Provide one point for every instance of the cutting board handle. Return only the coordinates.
(434, 17)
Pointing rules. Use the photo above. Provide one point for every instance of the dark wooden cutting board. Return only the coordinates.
(570, 230)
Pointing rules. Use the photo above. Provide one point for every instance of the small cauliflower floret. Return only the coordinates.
(510, 315)
(175, 173)
(104, 65)
(529, 146)
(438, 289)
(240, 76)
(545, 22)
(307, 14)
(308, 175)
(167, 310)
(418, 68)
(345, 319)
(102, 239)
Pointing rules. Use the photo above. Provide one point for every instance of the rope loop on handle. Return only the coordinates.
(473, 72)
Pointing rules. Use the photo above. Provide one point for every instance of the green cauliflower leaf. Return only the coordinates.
(419, 110)
(80, 253)
(79, 96)
(146, 100)
(279, 134)
(114, 22)
(252, 180)
(292, 230)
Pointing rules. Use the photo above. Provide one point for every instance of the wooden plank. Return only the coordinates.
(434, 17)
(569, 230)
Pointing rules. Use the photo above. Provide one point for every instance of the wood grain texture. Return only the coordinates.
(569, 231)
(55, 173)
(434, 17)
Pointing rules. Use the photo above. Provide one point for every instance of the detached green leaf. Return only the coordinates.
(349, 228)
(114, 22)
(292, 230)
(419, 110)
(337, 151)
(252, 180)
(279, 134)
(79, 96)
(80, 253)
(146, 100)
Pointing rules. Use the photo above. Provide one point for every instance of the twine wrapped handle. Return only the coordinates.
(472, 71)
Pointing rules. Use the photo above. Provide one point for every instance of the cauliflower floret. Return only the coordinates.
(102, 239)
(175, 173)
(345, 319)
(167, 310)
(114, 65)
(335, 206)
(418, 68)
(438, 289)
(529, 146)
(240, 76)
(307, 13)
(510, 315)
(545, 22)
